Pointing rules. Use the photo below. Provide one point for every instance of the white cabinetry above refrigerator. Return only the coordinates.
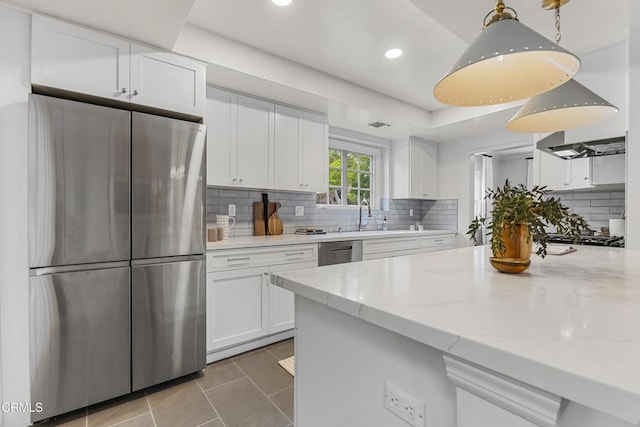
(80, 60)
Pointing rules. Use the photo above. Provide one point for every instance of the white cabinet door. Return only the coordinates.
(314, 159)
(423, 170)
(167, 81)
(553, 171)
(580, 174)
(288, 143)
(608, 169)
(237, 302)
(76, 59)
(221, 118)
(256, 155)
(281, 301)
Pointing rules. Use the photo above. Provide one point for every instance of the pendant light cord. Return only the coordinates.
(558, 35)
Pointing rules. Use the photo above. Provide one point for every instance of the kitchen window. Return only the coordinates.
(350, 178)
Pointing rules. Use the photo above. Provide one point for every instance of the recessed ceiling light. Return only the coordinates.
(282, 2)
(393, 53)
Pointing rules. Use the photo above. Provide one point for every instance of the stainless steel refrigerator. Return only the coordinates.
(116, 252)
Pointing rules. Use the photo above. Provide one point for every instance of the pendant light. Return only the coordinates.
(569, 106)
(508, 61)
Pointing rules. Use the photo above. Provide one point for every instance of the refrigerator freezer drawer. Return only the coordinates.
(79, 339)
(168, 158)
(168, 318)
(79, 186)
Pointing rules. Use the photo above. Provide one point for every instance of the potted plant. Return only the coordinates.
(520, 217)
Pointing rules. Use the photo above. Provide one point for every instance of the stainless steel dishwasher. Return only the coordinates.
(339, 252)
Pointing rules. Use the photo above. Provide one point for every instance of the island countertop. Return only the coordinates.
(569, 325)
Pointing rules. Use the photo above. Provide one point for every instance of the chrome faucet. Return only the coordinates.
(360, 226)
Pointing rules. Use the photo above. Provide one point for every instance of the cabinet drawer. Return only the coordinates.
(374, 246)
(437, 243)
(255, 257)
(393, 254)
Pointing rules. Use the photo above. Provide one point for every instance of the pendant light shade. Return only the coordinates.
(569, 106)
(508, 61)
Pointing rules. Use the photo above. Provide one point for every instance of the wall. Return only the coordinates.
(433, 214)
(596, 207)
(455, 177)
(515, 170)
(15, 30)
(633, 141)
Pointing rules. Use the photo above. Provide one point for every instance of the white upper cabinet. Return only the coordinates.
(414, 169)
(314, 160)
(559, 175)
(240, 140)
(604, 72)
(256, 149)
(302, 150)
(289, 134)
(168, 81)
(221, 118)
(553, 172)
(608, 169)
(77, 59)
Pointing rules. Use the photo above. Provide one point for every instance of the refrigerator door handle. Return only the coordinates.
(164, 260)
(43, 271)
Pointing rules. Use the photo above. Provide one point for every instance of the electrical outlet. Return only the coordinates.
(232, 210)
(405, 406)
(410, 212)
(299, 210)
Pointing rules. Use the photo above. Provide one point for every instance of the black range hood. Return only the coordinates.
(555, 145)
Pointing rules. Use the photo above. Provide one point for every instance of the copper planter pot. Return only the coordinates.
(517, 253)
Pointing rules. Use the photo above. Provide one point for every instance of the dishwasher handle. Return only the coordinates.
(342, 249)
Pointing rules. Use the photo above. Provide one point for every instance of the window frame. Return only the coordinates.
(358, 148)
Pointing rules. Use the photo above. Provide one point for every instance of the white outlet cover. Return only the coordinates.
(232, 210)
(410, 212)
(405, 406)
(299, 210)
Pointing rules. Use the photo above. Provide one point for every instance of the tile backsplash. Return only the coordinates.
(596, 207)
(433, 214)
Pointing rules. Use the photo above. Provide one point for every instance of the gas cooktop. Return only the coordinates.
(613, 241)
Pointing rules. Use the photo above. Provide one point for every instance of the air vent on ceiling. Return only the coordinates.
(378, 124)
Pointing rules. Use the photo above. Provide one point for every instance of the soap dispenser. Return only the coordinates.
(385, 224)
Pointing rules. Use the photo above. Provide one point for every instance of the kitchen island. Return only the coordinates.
(558, 345)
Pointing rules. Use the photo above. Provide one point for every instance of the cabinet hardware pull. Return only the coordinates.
(239, 259)
(135, 92)
(294, 253)
(306, 185)
(124, 90)
(234, 179)
(240, 180)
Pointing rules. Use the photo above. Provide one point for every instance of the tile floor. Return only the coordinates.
(248, 390)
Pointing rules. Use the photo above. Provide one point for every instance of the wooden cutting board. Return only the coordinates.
(275, 223)
(258, 219)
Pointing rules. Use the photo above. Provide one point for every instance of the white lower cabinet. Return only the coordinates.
(437, 243)
(236, 306)
(281, 301)
(244, 311)
(389, 246)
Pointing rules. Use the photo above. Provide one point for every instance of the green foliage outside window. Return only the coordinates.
(350, 175)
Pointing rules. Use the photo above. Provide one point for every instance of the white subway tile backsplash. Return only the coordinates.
(441, 214)
(596, 207)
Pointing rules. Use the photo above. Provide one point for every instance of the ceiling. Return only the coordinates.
(328, 55)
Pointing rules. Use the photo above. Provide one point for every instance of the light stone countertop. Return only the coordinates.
(293, 239)
(570, 324)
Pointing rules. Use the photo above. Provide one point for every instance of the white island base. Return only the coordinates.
(342, 364)
(461, 345)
